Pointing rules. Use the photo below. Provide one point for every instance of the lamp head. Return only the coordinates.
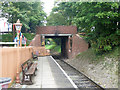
(18, 25)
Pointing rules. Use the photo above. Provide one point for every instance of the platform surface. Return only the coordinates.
(50, 75)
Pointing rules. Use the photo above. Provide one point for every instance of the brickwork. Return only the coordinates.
(36, 41)
(68, 50)
(40, 51)
(57, 30)
(79, 45)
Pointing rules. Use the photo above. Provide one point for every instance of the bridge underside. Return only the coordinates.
(71, 43)
(64, 38)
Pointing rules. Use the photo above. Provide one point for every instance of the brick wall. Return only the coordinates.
(40, 51)
(57, 30)
(79, 45)
(36, 41)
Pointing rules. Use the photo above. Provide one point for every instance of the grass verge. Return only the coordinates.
(91, 55)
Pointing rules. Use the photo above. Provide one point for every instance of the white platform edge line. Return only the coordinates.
(65, 73)
(24, 86)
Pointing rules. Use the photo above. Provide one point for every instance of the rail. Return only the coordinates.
(7, 43)
(80, 79)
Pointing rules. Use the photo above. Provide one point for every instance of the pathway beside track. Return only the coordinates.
(50, 75)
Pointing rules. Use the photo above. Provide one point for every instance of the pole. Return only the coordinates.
(21, 40)
(17, 74)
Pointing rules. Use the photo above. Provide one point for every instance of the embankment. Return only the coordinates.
(101, 69)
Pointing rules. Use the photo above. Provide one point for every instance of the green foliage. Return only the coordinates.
(99, 20)
(55, 45)
(8, 37)
(57, 49)
(54, 48)
(66, 11)
(56, 19)
(30, 14)
(50, 46)
(29, 36)
(91, 56)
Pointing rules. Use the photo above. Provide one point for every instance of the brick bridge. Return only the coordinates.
(71, 42)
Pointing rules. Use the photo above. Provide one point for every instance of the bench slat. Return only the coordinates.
(28, 69)
(31, 69)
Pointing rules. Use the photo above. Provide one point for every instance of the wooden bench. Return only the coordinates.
(34, 56)
(28, 70)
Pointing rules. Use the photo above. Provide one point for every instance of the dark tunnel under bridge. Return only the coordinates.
(64, 38)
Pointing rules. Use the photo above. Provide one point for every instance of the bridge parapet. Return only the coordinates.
(56, 30)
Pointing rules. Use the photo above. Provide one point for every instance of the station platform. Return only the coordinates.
(50, 75)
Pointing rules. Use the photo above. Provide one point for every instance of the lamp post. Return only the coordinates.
(18, 27)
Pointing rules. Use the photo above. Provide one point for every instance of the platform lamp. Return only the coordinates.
(18, 27)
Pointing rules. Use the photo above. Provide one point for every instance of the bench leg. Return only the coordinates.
(30, 80)
(36, 69)
(27, 80)
(34, 74)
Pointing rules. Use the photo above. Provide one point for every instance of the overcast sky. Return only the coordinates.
(48, 5)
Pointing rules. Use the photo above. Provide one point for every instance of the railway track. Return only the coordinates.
(82, 81)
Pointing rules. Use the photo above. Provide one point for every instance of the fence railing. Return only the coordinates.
(7, 43)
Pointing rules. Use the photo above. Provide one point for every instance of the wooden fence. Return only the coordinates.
(11, 58)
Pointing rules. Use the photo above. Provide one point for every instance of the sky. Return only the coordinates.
(48, 5)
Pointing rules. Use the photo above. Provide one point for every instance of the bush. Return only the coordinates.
(9, 37)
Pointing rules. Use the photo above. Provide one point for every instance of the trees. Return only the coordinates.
(66, 10)
(104, 17)
(29, 13)
(56, 19)
(99, 20)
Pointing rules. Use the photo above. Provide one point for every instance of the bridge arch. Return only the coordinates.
(72, 43)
